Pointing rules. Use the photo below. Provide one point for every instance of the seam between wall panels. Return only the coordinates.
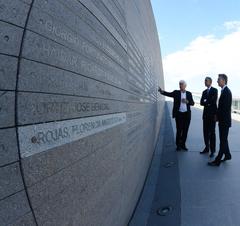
(16, 111)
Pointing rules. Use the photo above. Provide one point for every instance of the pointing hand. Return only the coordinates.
(160, 90)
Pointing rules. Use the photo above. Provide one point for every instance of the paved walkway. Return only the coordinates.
(199, 195)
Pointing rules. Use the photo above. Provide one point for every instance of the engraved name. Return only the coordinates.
(67, 107)
(34, 139)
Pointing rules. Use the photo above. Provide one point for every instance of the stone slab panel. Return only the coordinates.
(121, 7)
(46, 164)
(79, 20)
(26, 220)
(10, 39)
(102, 29)
(42, 137)
(114, 16)
(93, 8)
(117, 13)
(10, 180)
(46, 25)
(7, 109)
(84, 182)
(108, 199)
(49, 52)
(13, 207)
(38, 108)
(14, 11)
(36, 77)
(8, 146)
(108, 11)
(26, 1)
(8, 72)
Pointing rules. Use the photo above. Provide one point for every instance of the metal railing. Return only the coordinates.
(235, 102)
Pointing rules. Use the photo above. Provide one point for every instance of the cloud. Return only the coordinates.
(206, 55)
(232, 25)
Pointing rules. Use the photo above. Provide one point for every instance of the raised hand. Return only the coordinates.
(160, 90)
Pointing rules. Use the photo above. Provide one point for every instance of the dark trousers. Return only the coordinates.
(209, 134)
(224, 148)
(182, 124)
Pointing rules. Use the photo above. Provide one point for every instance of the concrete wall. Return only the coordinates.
(79, 109)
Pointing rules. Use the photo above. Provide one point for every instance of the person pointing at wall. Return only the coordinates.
(181, 112)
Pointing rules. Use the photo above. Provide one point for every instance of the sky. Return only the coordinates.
(199, 38)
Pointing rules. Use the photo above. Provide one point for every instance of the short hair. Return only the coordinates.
(208, 78)
(182, 82)
(223, 77)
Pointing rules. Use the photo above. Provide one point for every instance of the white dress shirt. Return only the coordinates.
(223, 88)
(208, 90)
(183, 106)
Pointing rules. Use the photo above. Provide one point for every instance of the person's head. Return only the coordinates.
(182, 85)
(208, 82)
(222, 80)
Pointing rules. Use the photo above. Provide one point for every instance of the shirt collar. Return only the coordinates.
(223, 87)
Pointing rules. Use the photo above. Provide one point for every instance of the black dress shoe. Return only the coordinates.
(204, 151)
(214, 163)
(178, 148)
(211, 155)
(184, 148)
(226, 158)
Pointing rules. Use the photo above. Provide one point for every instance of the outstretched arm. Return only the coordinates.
(168, 94)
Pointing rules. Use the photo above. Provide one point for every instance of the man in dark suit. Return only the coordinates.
(224, 120)
(209, 101)
(181, 112)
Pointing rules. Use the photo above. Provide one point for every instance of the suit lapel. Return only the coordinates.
(179, 98)
(209, 93)
(179, 95)
(187, 95)
(222, 94)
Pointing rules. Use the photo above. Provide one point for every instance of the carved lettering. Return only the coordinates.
(84, 47)
(67, 107)
(62, 56)
(59, 54)
(37, 138)
(51, 135)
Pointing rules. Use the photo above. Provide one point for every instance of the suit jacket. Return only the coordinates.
(225, 108)
(176, 94)
(209, 101)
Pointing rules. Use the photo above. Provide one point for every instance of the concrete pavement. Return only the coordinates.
(208, 196)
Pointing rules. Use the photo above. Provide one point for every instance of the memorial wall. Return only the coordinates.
(79, 110)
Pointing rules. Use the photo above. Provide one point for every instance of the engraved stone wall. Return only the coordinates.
(79, 110)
